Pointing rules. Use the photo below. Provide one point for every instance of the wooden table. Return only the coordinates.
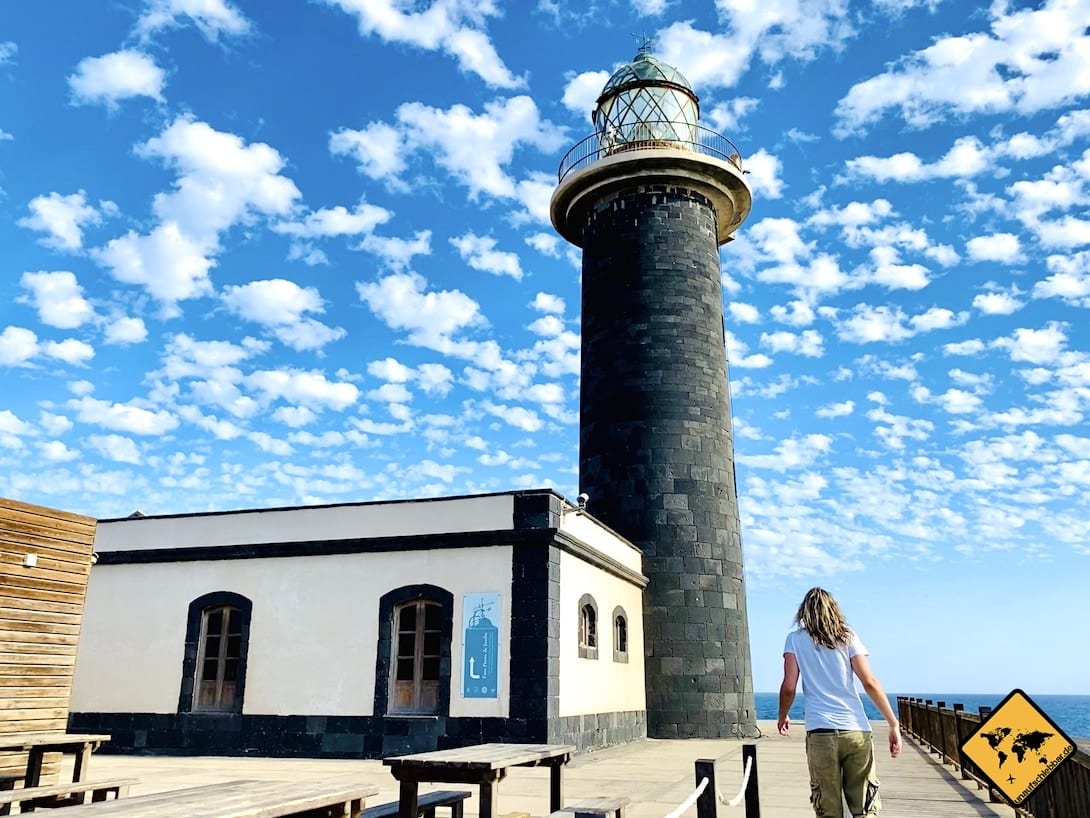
(484, 765)
(236, 799)
(36, 745)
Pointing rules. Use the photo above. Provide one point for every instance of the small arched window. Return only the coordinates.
(216, 645)
(620, 635)
(418, 639)
(588, 627)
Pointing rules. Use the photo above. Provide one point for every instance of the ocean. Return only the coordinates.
(1071, 713)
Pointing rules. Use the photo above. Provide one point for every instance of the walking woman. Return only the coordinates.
(827, 655)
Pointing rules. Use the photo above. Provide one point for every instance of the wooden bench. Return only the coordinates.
(595, 808)
(61, 795)
(425, 805)
(237, 799)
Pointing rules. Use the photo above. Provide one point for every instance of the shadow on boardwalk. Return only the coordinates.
(656, 775)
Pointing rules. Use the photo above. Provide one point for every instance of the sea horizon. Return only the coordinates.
(1070, 711)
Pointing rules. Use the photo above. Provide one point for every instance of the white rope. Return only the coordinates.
(688, 802)
(703, 785)
(736, 800)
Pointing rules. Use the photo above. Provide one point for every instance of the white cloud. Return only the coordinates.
(764, 174)
(1035, 346)
(738, 354)
(548, 244)
(889, 324)
(123, 417)
(451, 26)
(222, 179)
(108, 79)
(304, 388)
(790, 454)
(55, 451)
(650, 8)
(808, 343)
(1000, 247)
(62, 217)
(8, 50)
(70, 350)
(117, 448)
(582, 90)
(280, 305)
(166, 262)
(222, 182)
(125, 330)
(998, 302)
(336, 221)
(398, 253)
(836, 410)
(58, 298)
(521, 418)
(1031, 60)
(473, 148)
(481, 254)
(1069, 279)
(968, 157)
(18, 346)
(549, 304)
(211, 17)
(401, 301)
(744, 313)
(380, 150)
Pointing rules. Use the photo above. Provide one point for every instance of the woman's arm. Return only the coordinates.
(877, 695)
(787, 691)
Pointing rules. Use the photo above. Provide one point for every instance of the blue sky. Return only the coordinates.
(298, 252)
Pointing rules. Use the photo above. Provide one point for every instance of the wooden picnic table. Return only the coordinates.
(236, 799)
(484, 765)
(36, 745)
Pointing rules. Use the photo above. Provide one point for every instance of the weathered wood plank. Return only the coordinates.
(8, 657)
(56, 543)
(36, 626)
(235, 799)
(39, 638)
(42, 610)
(11, 565)
(62, 591)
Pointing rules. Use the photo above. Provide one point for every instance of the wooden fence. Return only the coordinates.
(1064, 794)
(45, 561)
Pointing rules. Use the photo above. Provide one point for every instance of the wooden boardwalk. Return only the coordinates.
(656, 775)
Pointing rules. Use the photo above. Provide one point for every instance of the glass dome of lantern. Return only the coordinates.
(646, 101)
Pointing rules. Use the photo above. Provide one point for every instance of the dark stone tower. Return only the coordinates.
(650, 197)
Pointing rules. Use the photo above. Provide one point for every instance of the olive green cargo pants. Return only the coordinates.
(842, 761)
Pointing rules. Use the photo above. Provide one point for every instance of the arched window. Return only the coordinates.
(414, 682)
(588, 627)
(620, 635)
(412, 670)
(216, 646)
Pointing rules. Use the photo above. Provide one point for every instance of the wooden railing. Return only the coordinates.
(1064, 794)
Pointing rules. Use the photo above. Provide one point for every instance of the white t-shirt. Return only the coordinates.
(828, 683)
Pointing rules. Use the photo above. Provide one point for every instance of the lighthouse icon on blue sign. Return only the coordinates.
(480, 647)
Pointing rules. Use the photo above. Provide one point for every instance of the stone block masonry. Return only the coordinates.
(656, 452)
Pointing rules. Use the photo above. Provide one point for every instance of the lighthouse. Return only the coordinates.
(650, 197)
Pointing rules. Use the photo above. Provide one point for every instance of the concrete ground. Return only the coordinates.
(657, 775)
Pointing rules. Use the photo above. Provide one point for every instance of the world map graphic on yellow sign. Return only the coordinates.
(1017, 747)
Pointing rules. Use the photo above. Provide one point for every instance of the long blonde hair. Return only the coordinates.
(820, 616)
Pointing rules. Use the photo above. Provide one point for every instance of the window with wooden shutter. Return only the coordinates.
(418, 642)
(219, 661)
(217, 636)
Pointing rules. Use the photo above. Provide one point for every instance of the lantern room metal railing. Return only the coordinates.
(682, 136)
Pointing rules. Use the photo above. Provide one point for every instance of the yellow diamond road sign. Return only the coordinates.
(1017, 747)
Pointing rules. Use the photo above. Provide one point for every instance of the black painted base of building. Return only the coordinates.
(344, 736)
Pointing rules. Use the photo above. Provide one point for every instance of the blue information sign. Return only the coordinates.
(480, 646)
